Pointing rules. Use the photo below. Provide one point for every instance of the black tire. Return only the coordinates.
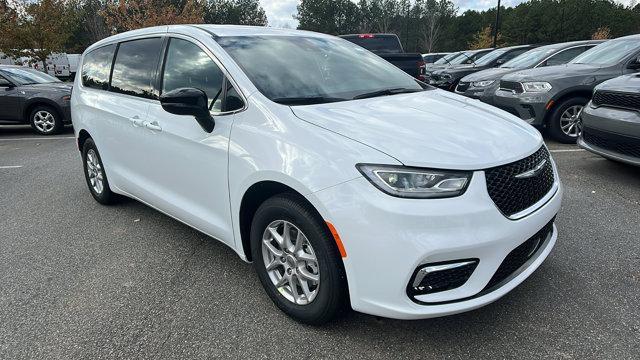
(555, 129)
(53, 123)
(105, 196)
(332, 296)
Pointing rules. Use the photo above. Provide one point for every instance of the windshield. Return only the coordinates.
(529, 59)
(608, 53)
(485, 60)
(288, 67)
(448, 58)
(26, 76)
(466, 57)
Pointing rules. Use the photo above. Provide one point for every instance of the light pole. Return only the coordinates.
(495, 26)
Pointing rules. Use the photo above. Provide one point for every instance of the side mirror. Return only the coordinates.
(500, 62)
(189, 101)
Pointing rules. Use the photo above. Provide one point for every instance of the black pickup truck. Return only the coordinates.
(388, 47)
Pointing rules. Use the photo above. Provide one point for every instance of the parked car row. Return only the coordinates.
(547, 86)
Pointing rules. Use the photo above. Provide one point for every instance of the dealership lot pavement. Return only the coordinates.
(80, 280)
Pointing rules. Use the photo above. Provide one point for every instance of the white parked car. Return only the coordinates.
(344, 180)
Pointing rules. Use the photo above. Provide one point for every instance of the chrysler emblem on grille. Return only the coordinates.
(533, 172)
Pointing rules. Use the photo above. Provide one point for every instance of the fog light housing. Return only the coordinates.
(442, 276)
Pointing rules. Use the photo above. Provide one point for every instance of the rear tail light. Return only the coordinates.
(422, 69)
(366, 36)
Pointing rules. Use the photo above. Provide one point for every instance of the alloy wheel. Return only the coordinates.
(94, 171)
(290, 262)
(44, 121)
(570, 121)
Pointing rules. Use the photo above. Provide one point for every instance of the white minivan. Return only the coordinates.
(345, 181)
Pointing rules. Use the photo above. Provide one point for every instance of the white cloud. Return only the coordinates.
(280, 12)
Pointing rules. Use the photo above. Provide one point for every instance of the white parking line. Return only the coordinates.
(566, 150)
(39, 138)
(10, 167)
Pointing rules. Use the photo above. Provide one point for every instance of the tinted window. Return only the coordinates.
(96, 67)
(288, 68)
(529, 58)
(513, 54)
(608, 53)
(233, 101)
(135, 67)
(563, 57)
(377, 43)
(188, 66)
(448, 58)
(4, 82)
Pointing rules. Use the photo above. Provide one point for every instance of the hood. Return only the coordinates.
(488, 74)
(551, 73)
(431, 128)
(627, 83)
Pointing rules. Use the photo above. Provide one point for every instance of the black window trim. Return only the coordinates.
(226, 78)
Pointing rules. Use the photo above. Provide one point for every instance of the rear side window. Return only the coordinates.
(96, 67)
(188, 66)
(134, 70)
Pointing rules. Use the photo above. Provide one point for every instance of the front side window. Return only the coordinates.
(96, 67)
(563, 57)
(608, 53)
(135, 67)
(187, 66)
(28, 76)
(4, 82)
(288, 69)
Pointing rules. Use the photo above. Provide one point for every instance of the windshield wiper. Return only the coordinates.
(386, 92)
(307, 100)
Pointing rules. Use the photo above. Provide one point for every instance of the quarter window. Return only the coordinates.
(187, 66)
(135, 67)
(96, 67)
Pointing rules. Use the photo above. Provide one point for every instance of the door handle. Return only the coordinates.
(153, 125)
(136, 121)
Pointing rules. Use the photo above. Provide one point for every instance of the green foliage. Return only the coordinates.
(329, 16)
(240, 12)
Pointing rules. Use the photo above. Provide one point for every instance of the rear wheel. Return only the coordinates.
(95, 175)
(45, 120)
(564, 124)
(297, 260)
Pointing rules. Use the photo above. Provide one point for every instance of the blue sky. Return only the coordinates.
(279, 12)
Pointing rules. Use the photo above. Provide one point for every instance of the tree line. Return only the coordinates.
(438, 25)
(36, 28)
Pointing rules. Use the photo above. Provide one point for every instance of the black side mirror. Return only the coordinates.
(189, 101)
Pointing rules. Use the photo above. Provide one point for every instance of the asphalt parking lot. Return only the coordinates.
(80, 280)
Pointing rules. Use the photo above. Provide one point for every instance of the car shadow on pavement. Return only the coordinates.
(26, 131)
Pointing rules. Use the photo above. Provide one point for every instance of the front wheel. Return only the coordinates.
(297, 260)
(45, 120)
(564, 123)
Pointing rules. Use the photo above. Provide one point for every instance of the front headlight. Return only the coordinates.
(416, 183)
(536, 86)
(481, 84)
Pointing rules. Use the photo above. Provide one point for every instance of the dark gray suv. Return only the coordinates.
(483, 84)
(553, 96)
(611, 122)
(29, 96)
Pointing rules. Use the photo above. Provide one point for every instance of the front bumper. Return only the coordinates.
(612, 133)
(528, 107)
(387, 239)
(485, 95)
